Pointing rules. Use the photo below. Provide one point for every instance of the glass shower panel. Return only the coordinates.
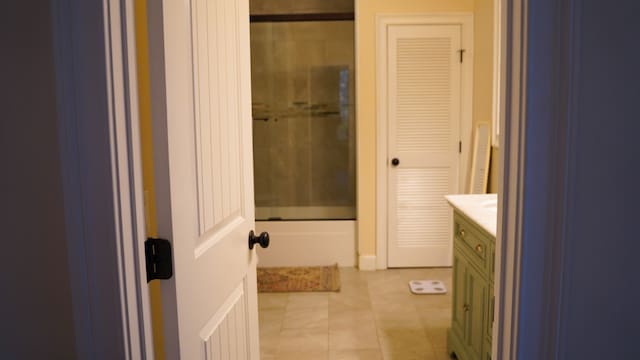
(303, 111)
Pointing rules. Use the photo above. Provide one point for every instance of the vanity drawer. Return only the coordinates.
(476, 246)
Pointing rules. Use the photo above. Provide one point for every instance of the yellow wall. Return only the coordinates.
(493, 171)
(483, 74)
(366, 11)
(144, 99)
(483, 61)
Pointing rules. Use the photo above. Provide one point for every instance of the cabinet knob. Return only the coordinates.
(466, 307)
(461, 233)
(479, 248)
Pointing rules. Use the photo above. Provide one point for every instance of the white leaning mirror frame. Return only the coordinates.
(481, 153)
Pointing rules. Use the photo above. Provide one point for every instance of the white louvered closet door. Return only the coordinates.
(424, 101)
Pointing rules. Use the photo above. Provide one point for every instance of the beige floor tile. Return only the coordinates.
(432, 302)
(269, 344)
(307, 300)
(435, 318)
(400, 338)
(412, 353)
(352, 275)
(374, 316)
(303, 355)
(270, 321)
(348, 319)
(363, 337)
(398, 318)
(306, 318)
(355, 301)
(303, 340)
(410, 343)
(395, 325)
(388, 286)
(272, 300)
(398, 299)
(438, 337)
(441, 353)
(355, 355)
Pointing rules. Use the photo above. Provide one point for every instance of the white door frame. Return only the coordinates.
(382, 23)
(102, 177)
(98, 122)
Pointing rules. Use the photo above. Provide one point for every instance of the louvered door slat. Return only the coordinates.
(424, 112)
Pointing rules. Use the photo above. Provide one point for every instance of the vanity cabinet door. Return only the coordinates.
(477, 295)
(472, 308)
(459, 303)
(468, 318)
(487, 352)
(488, 328)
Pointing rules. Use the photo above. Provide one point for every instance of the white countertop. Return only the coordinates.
(481, 208)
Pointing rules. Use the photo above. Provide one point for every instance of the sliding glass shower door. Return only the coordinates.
(303, 119)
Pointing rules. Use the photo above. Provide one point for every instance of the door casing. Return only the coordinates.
(86, 56)
(465, 20)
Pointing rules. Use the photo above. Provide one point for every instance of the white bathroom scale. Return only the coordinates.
(421, 287)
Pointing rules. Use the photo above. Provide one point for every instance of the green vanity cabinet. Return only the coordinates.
(472, 300)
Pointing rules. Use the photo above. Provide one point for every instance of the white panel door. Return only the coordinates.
(204, 180)
(424, 103)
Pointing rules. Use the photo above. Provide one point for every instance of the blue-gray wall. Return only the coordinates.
(595, 84)
(602, 319)
(35, 297)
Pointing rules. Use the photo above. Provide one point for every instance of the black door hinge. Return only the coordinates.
(158, 258)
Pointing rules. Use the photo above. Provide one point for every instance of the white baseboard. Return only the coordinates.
(367, 263)
(308, 243)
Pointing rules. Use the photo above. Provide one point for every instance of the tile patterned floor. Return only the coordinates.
(373, 317)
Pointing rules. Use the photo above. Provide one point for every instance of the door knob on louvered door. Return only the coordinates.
(262, 239)
(395, 162)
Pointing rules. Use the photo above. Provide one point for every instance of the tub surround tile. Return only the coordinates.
(298, 67)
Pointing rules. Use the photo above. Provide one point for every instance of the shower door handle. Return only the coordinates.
(395, 162)
(262, 239)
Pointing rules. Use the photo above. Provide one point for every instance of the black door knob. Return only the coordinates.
(395, 162)
(262, 239)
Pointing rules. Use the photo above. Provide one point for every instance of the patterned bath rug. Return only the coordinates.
(299, 278)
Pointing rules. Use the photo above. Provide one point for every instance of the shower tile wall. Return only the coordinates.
(302, 94)
(259, 7)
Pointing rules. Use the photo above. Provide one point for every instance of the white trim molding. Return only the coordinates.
(511, 190)
(315, 243)
(367, 262)
(536, 163)
(100, 156)
(499, 69)
(383, 21)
